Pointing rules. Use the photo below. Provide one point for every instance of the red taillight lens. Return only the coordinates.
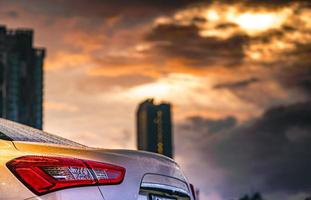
(107, 174)
(46, 174)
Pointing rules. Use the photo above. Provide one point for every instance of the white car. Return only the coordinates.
(38, 165)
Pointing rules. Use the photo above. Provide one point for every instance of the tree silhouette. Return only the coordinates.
(246, 197)
(256, 196)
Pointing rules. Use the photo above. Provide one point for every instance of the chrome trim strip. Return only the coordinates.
(164, 187)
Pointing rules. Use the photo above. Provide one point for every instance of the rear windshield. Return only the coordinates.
(17, 132)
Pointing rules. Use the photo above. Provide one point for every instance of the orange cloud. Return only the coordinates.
(63, 59)
(60, 106)
(85, 41)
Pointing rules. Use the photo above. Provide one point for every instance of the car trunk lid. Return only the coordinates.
(145, 171)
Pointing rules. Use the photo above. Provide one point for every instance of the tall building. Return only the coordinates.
(21, 77)
(154, 128)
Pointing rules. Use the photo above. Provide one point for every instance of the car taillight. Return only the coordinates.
(43, 174)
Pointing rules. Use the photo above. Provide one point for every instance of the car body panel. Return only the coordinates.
(79, 193)
(10, 186)
(160, 169)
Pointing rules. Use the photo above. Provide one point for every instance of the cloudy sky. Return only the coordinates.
(238, 74)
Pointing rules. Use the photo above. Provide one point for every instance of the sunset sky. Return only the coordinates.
(238, 74)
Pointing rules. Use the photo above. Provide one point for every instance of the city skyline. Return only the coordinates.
(21, 77)
(154, 128)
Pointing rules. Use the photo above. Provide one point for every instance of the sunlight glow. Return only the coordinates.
(223, 21)
(153, 89)
(165, 88)
(212, 15)
(258, 22)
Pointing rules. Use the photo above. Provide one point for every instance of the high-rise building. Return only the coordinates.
(154, 128)
(21, 77)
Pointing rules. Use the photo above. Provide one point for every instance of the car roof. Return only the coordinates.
(13, 131)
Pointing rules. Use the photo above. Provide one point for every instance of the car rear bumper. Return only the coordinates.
(80, 193)
(151, 184)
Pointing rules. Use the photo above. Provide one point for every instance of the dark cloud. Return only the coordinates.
(198, 20)
(192, 141)
(273, 3)
(295, 69)
(267, 37)
(238, 84)
(99, 8)
(290, 67)
(263, 152)
(269, 154)
(226, 26)
(211, 125)
(184, 42)
(266, 3)
(298, 77)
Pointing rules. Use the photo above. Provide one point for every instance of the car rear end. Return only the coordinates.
(36, 170)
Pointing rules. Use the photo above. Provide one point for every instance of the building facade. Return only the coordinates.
(154, 128)
(21, 77)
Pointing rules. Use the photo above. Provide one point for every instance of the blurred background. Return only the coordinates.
(231, 82)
